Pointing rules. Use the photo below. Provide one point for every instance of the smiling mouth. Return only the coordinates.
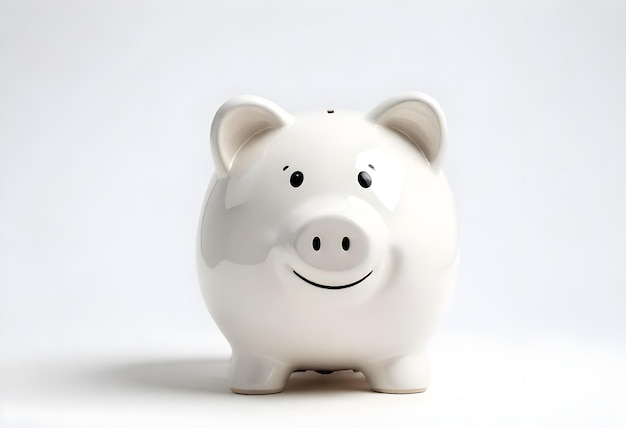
(332, 287)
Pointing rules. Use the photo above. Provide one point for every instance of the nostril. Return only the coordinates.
(317, 243)
(345, 243)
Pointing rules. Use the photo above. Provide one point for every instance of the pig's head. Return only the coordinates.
(330, 201)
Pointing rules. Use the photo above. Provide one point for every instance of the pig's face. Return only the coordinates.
(325, 201)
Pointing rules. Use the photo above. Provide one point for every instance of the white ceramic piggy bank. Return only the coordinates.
(328, 240)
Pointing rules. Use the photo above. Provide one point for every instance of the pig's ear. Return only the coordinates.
(420, 119)
(238, 120)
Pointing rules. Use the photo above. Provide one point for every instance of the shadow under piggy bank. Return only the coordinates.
(210, 376)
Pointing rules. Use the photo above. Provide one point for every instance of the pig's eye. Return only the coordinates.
(296, 179)
(365, 180)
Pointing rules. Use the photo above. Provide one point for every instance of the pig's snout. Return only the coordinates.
(333, 243)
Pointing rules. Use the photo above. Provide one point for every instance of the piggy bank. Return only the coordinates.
(328, 240)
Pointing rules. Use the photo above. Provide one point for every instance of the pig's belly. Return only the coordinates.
(270, 314)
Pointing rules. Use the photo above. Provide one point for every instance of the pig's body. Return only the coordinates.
(328, 241)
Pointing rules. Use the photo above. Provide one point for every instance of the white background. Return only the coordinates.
(105, 109)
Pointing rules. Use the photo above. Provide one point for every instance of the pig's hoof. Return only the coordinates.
(256, 391)
(251, 374)
(399, 391)
(401, 375)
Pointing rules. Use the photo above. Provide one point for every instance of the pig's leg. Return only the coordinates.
(399, 375)
(251, 374)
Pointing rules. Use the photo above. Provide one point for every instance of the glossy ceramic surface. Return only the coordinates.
(328, 240)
